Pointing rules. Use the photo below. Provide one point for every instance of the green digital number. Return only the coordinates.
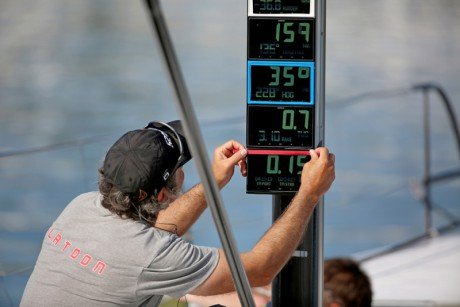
(300, 161)
(304, 28)
(288, 34)
(307, 118)
(273, 164)
(275, 76)
(287, 31)
(303, 72)
(288, 121)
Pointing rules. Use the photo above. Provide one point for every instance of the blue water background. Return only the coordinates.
(78, 74)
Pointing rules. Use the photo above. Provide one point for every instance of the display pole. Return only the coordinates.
(300, 282)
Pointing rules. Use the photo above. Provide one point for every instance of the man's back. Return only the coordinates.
(91, 256)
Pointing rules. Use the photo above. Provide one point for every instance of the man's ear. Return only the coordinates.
(162, 194)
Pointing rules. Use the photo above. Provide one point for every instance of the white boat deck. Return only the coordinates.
(424, 274)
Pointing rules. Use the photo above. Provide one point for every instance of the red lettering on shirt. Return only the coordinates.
(75, 253)
(98, 268)
(50, 231)
(86, 260)
(100, 265)
(57, 238)
(67, 244)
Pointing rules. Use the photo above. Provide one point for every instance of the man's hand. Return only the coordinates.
(226, 157)
(277, 245)
(318, 174)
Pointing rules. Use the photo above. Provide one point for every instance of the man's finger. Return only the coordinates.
(332, 158)
(313, 155)
(243, 167)
(322, 152)
(238, 156)
(231, 147)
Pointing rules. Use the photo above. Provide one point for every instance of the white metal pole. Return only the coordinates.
(197, 146)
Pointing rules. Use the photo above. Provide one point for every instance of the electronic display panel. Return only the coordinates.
(274, 172)
(301, 8)
(276, 82)
(280, 126)
(274, 38)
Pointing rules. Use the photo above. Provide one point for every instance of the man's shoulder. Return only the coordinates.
(87, 197)
(87, 204)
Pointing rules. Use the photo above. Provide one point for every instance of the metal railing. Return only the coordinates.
(429, 179)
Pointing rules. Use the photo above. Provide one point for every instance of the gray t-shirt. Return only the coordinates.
(91, 257)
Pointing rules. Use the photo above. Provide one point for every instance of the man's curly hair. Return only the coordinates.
(346, 283)
(122, 205)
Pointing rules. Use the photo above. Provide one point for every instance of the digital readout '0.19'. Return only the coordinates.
(295, 164)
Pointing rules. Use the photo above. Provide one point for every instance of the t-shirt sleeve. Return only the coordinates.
(178, 268)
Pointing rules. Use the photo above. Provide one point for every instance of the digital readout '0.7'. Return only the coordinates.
(288, 123)
(280, 126)
(275, 136)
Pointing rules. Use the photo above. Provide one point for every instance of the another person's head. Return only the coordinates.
(142, 172)
(345, 284)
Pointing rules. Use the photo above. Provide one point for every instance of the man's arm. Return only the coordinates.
(276, 247)
(261, 295)
(184, 211)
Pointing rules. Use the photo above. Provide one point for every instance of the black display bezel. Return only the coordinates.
(257, 31)
(262, 117)
(255, 160)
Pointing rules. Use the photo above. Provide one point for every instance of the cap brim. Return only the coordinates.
(176, 124)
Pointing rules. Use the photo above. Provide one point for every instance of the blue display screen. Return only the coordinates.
(274, 82)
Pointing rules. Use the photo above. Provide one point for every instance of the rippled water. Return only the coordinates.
(78, 74)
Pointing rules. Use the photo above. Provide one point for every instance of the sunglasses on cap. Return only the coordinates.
(164, 127)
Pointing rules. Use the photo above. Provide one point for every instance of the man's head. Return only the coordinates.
(142, 171)
(345, 284)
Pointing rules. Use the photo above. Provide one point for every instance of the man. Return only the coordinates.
(123, 246)
(346, 284)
